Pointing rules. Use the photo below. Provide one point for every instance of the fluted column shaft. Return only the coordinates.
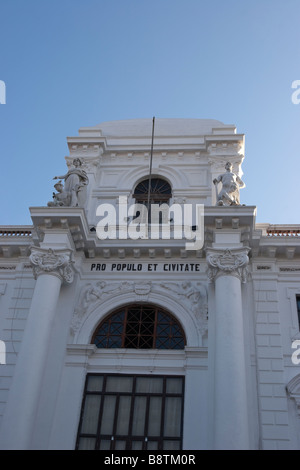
(51, 268)
(228, 269)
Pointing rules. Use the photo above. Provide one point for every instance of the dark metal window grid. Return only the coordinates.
(130, 441)
(139, 326)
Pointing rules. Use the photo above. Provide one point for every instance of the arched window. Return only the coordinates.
(160, 194)
(134, 411)
(139, 326)
(160, 191)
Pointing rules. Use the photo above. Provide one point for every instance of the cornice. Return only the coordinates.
(97, 142)
(15, 241)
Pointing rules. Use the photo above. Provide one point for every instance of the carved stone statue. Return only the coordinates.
(61, 198)
(231, 184)
(71, 193)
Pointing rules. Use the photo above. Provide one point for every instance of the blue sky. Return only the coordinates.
(72, 63)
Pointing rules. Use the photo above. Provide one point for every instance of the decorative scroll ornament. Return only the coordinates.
(232, 262)
(49, 261)
(293, 390)
(195, 295)
(101, 290)
(92, 293)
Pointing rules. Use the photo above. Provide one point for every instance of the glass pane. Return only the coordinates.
(152, 445)
(114, 342)
(171, 445)
(123, 415)
(172, 421)
(154, 416)
(105, 444)
(176, 343)
(87, 443)
(120, 445)
(138, 424)
(118, 384)
(174, 385)
(176, 331)
(91, 414)
(101, 341)
(118, 317)
(149, 385)
(137, 445)
(95, 383)
(116, 329)
(108, 414)
(163, 318)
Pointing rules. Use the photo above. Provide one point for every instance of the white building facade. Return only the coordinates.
(122, 333)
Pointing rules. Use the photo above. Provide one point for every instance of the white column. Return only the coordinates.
(228, 269)
(51, 268)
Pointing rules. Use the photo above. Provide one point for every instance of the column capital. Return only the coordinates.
(233, 262)
(55, 262)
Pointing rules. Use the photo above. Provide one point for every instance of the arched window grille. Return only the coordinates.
(139, 326)
(160, 191)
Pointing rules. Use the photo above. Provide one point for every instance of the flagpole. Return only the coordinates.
(150, 169)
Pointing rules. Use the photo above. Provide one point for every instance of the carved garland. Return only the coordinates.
(194, 294)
